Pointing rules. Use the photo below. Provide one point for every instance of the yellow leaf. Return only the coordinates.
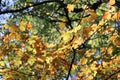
(110, 50)
(77, 28)
(18, 61)
(67, 36)
(94, 27)
(31, 60)
(49, 60)
(90, 77)
(101, 23)
(77, 42)
(6, 26)
(22, 28)
(70, 7)
(86, 70)
(61, 25)
(89, 53)
(22, 23)
(111, 2)
(104, 64)
(13, 28)
(2, 63)
(83, 61)
(49, 45)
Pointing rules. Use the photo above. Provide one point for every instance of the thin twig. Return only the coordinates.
(112, 75)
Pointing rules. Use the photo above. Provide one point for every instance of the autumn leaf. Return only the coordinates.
(22, 25)
(101, 22)
(18, 61)
(6, 26)
(87, 32)
(29, 25)
(67, 36)
(2, 54)
(116, 42)
(93, 15)
(90, 18)
(89, 53)
(22, 28)
(116, 16)
(104, 63)
(70, 7)
(77, 42)
(111, 2)
(107, 16)
(31, 60)
(61, 25)
(110, 50)
(13, 28)
(86, 70)
(50, 45)
(83, 61)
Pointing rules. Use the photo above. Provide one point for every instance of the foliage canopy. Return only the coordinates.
(60, 39)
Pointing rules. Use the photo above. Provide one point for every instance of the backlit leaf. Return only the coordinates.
(111, 2)
(83, 61)
(13, 28)
(70, 7)
(22, 28)
(107, 16)
(6, 26)
(29, 25)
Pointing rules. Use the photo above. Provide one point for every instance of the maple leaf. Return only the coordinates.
(70, 7)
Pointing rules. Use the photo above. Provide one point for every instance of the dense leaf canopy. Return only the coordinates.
(60, 39)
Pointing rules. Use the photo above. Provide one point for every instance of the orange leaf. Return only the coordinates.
(116, 42)
(29, 26)
(116, 16)
(111, 2)
(107, 16)
(13, 28)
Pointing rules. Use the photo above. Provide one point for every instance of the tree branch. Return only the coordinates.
(24, 8)
(112, 75)
(73, 59)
